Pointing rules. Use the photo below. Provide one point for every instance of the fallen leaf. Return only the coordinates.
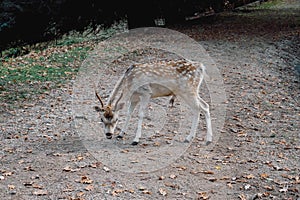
(36, 186)
(225, 178)
(156, 144)
(95, 165)
(147, 192)
(86, 180)
(89, 188)
(11, 187)
(28, 184)
(141, 188)
(171, 185)
(181, 168)
(40, 192)
(250, 176)
(242, 197)
(207, 172)
(203, 195)
(229, 185)
(284, 189)
(124, 151)
(69, 188)
(264, 175)
(161, 178)
(211, 179)
(268, 187)
(67, 169)
(162, 192)
(247, 187)
(173, 176)
(106, 169)
(79, 194)
(130, 191)
(7, 173)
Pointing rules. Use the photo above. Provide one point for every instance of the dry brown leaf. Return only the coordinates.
(79, 194)
(106, 169)
(67, 169)
(95, 165)
(141, 188)
(147, 192)
(268, 187)
(156, 144)
(242, 197)
(211, 179)
(89, 188)
(249, 176)
(225, 178)
(230, 185)
(69, 188)
(7, 173)
(130, 191)
(11, 187)
(181, 168)
(203, 195)
(40, 192)
(37, 186)
(80, 157)
(171, 185)
(162, 192)
(264, 176)
(173, 176)
(124, 151)
(207, 172)
(86, 180)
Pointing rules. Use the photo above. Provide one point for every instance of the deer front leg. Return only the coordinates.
(144, 100)
(130, 109)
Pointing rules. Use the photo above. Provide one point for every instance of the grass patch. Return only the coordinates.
(27, 72)
(26, 77)
(270, 4)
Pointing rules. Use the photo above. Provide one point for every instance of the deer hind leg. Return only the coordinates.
(205, 107)
(144, 100)
(196, 105)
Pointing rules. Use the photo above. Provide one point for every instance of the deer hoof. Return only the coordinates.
(186, 141)
(119, 137)
(134, 143)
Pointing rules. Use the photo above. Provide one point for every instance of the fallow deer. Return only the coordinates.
(142, 82)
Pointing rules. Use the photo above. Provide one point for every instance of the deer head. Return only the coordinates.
(109, 115)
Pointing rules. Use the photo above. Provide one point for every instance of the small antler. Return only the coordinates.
(99, 98)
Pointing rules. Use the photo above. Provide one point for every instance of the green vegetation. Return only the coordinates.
(28, 76)
(28, 72)
(270, 4)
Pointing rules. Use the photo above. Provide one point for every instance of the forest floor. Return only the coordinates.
(257, 155)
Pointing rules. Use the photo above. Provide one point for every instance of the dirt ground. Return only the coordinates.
(256, 156)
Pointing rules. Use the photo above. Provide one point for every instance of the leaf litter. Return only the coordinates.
(257, 154)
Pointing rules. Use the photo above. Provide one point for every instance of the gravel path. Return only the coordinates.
(255, 157)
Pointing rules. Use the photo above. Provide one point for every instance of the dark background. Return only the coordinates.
(30, 21)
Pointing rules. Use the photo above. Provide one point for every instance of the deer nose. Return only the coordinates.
(108, 135)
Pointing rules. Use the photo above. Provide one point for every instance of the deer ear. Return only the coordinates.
(98, 109)
(120, 106)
